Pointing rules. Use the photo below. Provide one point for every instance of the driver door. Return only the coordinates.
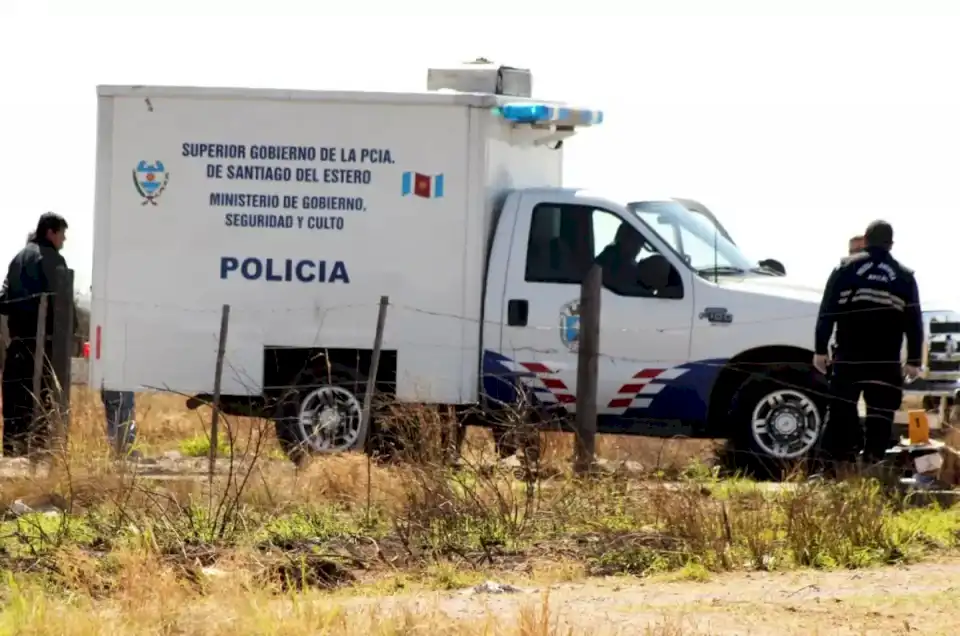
(644, 336)
(645, 333)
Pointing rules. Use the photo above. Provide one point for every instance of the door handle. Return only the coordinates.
(518, 312)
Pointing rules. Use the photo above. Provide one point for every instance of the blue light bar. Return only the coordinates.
(545, 113)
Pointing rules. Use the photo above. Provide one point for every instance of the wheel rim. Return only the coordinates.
(329, 419)
(786, 424)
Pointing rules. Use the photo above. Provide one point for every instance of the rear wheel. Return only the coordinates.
(778, 421)
(321, 415)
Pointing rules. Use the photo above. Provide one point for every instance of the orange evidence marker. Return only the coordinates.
(918, 426)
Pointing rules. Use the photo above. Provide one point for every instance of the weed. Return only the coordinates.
(199, 446)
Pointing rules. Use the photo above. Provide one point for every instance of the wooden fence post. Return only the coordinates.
(61, 355)
(374, 369)
(588, 356)
(217, 377)
(365, 436)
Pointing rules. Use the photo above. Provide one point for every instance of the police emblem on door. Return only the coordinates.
(570, 325)
(150, 180)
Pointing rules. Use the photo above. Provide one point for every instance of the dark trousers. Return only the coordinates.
(21, 434)
(881, 386)
(121, 427)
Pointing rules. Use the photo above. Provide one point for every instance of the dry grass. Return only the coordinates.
(154, 602)
(270, 549)
(165, 423)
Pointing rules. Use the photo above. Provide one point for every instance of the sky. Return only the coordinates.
(797, 123)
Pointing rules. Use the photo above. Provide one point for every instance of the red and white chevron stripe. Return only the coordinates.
(639, 392)
(544, 382)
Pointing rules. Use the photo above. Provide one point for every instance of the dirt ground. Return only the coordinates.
(916, 599)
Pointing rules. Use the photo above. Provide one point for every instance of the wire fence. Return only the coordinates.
(529, 345)
(319, 316)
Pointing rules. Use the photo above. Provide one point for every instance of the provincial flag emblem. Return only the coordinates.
(422, 185)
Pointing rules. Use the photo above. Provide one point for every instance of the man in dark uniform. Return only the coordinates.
(31, 273)
(619, 259)
(873, 301)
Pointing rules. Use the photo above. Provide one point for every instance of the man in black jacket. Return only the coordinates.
(873, 301)
(30, 275)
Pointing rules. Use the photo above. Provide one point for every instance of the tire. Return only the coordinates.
(778, 421)
(321, 415)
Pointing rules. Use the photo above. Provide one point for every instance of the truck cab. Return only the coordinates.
(696, 338)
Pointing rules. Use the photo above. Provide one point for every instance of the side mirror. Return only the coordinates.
(775, 265)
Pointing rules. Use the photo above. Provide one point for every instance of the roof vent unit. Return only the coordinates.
(481, 76)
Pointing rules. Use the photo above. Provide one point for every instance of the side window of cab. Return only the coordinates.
(566, 240)
(559, 248)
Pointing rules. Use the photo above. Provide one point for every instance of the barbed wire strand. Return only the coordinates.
(261, 308)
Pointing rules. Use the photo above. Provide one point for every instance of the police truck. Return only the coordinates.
(300, 209)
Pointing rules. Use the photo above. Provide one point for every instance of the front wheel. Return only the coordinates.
(778, 421)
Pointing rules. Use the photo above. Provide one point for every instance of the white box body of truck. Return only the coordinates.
(299, 210)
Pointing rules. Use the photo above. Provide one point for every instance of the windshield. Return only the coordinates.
(693, 237)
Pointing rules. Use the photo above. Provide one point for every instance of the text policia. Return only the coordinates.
(280, 270)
